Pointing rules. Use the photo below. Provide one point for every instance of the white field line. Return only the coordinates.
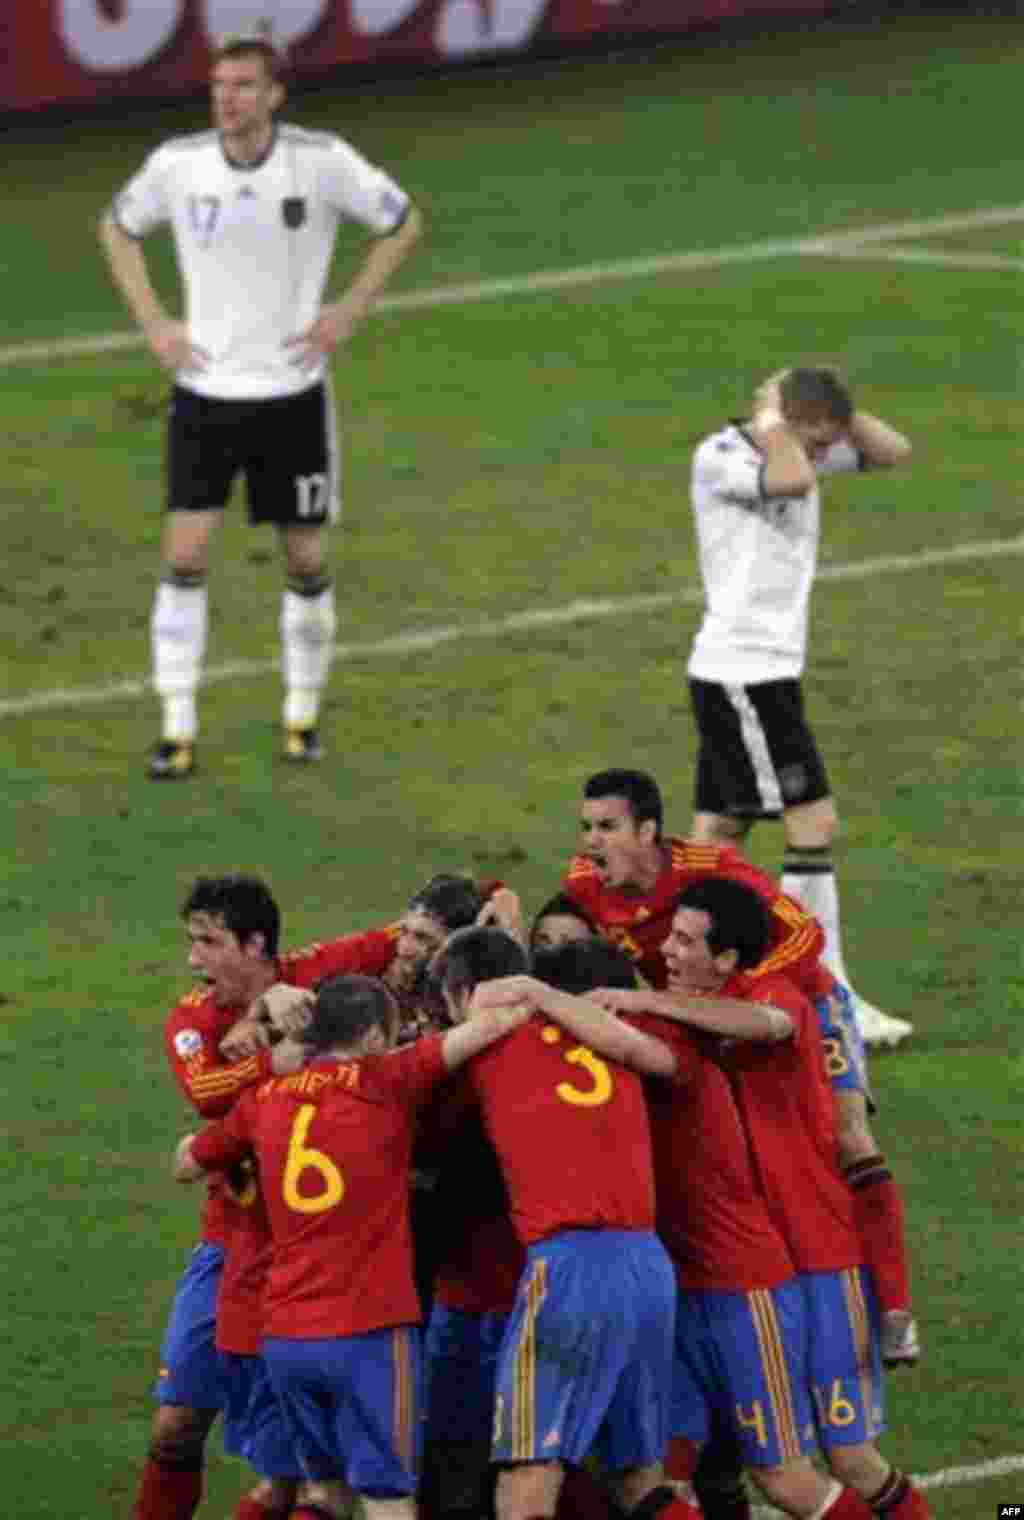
(583, 610)
(867, 253)
(826, 244)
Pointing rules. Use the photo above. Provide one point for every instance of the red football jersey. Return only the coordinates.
(785, 1102)
(641, 923)
(570, 1130)
(481, 1271)
(246, 1264)
(334, 1148)
(480, 1256)
(712, 1216)
(196, 1026)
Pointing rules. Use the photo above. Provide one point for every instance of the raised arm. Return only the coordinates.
(786, 469)
(880, 446)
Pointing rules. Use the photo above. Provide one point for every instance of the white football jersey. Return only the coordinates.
(758, 556)
(254, 245)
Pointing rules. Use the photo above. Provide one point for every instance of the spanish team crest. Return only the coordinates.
(293, 210)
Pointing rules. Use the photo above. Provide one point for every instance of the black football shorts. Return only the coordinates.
(285, 448)
(757, 755)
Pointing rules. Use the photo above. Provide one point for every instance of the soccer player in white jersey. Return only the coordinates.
(254, 207)
(756, 504)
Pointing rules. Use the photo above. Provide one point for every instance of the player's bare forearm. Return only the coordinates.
(168, 339)
(386, 256)
(732, 1018)
(786, 470)
(880, 446)
(467, 1040)
(502, 910)
(854, 1138)
(131, 276)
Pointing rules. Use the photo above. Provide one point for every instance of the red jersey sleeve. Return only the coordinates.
(366, 954)
(582, 884)
(797, 938)
(228, 1140)
(192, 1037)
(412, 1073)
(680, 1041)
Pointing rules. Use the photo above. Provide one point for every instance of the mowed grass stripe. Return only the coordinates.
(848, 242)
(582, 610)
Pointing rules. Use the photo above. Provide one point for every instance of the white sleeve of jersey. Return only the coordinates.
(143, 203)
(358, 190)
(726, 469)
(840, 459)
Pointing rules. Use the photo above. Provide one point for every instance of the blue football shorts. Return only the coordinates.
(741, 1364)
(352, 1406)
(254, 1427)
(189, 1370)
(844, 1356)
(587, 1357)
(460, 1365)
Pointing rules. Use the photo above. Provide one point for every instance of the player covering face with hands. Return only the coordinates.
(756, 506)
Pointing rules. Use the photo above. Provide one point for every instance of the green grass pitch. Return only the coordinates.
(506, 456)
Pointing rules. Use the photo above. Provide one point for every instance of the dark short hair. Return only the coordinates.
(739, 917)
(816, 391)
(346, 1009)
(477, 955)
(636, 787)
(584, 965)
(454, 900)
(562, 906)
(244, 904)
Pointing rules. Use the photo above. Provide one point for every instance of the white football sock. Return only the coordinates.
(308, 625)
(819, 894)
(178, 639)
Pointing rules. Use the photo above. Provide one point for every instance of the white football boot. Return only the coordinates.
(878, 1028)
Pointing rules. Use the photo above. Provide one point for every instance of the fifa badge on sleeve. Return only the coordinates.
(293, 210)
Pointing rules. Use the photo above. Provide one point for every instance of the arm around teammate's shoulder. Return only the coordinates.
(483, 1028)
(595, 1026)
(728, 1017)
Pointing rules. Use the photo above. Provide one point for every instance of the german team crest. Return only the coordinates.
(293, 210)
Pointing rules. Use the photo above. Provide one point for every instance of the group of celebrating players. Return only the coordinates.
(622, 1160)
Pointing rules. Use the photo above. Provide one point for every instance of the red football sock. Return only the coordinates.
(251, 1509)
(681, 1459)
(310, 1512)
(581, 1497)
(898, 1499)
(168, 1493)
(878, 1212)
(848, 1505)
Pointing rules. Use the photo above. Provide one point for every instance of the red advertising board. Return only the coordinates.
(59, 52)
